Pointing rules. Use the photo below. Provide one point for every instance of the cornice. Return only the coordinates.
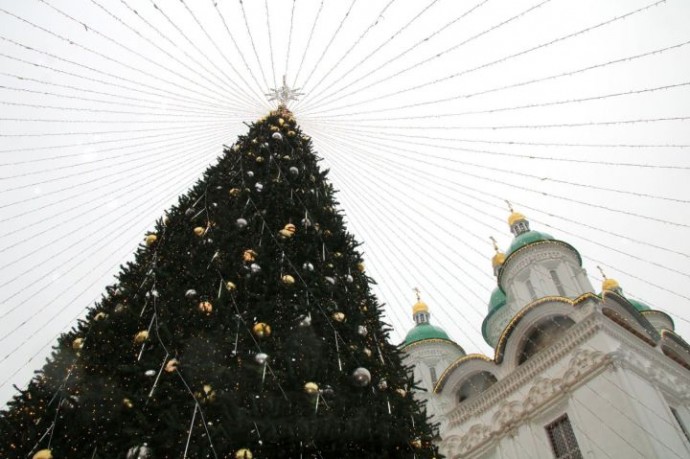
(522, 375)
(512, 413)
(632, 354)
(535, 256)
(507, 331)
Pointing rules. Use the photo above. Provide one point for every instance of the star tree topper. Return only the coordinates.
(284, 94)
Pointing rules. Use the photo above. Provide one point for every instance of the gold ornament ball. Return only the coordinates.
(230, 286)
(127, 403)
(339, 316)
(100, 316)
(288, 279)
(291, 133)
(281, 121)
(206, 307)
(171, 365)
(151, 239)
(261, 330)
(285, 234)
(291, 228)
(243, 453)
(199, 231)
(207, 394)
(259, 159)
(401, 392)
(78, 343)
(416, 443)
(311, 388)
(249, 255)
(43, 454)
(142, 336)
(234, 192)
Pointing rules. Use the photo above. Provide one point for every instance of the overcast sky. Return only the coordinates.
(429, 113)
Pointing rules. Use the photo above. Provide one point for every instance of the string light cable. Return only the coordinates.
(497, 61)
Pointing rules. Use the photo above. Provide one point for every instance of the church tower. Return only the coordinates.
(575, 373)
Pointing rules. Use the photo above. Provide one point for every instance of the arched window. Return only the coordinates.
(475, 384)
(543, 335)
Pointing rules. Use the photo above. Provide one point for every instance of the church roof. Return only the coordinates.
(423, 332)
(526, 238)
(498, 299)
(639, 305)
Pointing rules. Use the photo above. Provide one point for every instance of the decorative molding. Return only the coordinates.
(431, 341)
(630, 354)
(510, 414)
(525, 373)
(534, 254)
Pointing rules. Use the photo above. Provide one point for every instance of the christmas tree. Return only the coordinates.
(245, 327)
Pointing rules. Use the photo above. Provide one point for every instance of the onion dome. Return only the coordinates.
(610, 284)
(515, 217)
(498, 259)
(498, 299)
(519, 226)
(418, 307)
(639, 305)
(423, 330)
(526, 238)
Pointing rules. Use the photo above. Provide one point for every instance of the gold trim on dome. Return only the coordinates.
(432, 340)
(536, 244)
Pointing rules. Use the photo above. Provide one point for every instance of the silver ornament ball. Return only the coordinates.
(259, 187)
(277, 136)
(305, 321)
(361, 377)
(261, 358)
(308, 266)
(255, 268)
(294, 171)
(241, 223)
(362, 330)
(140, 452)
(190, 294)
(327, 391)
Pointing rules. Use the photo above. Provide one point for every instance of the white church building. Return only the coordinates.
(575, 373)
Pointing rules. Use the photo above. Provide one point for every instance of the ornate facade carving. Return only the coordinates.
(511, 413)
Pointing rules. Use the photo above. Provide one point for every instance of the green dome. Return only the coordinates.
(424, 331)
(526, 238)
(498, 299)
(640, 306)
